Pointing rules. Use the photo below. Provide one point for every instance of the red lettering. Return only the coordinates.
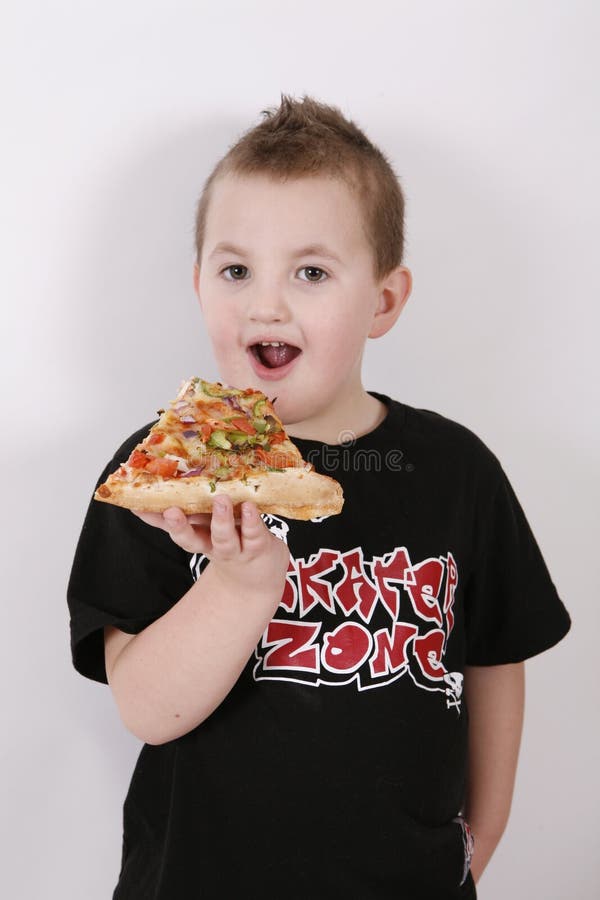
(311, 589)
(428, 651)
(425, 591)
(390, 655)
(289, 597)
(391, 567)
(292, 644)
(346, 648)
(355, 588)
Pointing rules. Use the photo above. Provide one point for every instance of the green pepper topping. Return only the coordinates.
(237, 438)
(260, 425)
(259, 409)
(261, 439)
(218, 439)
(217, 390)
(212, 486)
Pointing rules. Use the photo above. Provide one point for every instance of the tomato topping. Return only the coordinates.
(138, 459)
(156, 438)
(275, 459)
(216, 409)
(205, 431)
(277, 438)
(165, 467)
(243, 425)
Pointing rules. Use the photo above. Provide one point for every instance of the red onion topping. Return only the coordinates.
(190, 433)
(187, 420)
(197, 471)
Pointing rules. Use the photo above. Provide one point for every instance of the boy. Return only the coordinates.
(302, 687)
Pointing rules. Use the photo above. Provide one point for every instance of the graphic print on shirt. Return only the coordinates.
(343, 618)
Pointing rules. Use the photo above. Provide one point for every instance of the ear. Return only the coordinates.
(394, 291)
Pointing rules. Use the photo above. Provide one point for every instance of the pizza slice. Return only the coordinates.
(215, 440)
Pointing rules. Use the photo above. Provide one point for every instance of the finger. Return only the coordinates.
(155, 519)
(224, 536)
(196, 540)
(254, 530)
(200, 519)
(205, 518)
(175, 517)
(193, 538)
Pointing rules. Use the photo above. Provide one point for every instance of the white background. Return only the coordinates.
(113, 114)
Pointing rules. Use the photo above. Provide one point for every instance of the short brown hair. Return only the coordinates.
(304, 138)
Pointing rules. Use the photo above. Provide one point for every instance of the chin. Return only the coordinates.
(297, 412)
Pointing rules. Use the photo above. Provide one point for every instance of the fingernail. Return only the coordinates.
(219, 506)
(247, 511)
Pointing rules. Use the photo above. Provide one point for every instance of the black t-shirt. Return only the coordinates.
(336, 765)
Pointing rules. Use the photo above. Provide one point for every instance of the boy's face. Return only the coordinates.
(258, 281)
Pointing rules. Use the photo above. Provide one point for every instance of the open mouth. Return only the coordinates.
(274, 354)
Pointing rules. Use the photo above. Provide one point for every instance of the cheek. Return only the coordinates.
(221, 340)
(343, 338)
(219, 326)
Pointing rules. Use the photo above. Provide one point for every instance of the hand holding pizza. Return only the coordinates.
(246, 555)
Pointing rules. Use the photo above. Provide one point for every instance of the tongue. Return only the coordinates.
(274, 357)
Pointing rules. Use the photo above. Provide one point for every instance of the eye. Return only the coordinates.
(314, 274)
(235, 273)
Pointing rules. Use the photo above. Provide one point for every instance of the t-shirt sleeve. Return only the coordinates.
(125, 573)
(512, 608)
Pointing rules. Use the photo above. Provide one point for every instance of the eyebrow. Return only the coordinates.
(310, 250)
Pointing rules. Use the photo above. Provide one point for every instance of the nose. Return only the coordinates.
(268, 304)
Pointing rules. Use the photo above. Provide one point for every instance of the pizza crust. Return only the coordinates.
(294, 493)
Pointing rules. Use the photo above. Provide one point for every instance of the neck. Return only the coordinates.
(353, 416)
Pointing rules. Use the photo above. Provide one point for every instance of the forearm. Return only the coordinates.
(495, 699)
(485, 846)
(172, 675)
